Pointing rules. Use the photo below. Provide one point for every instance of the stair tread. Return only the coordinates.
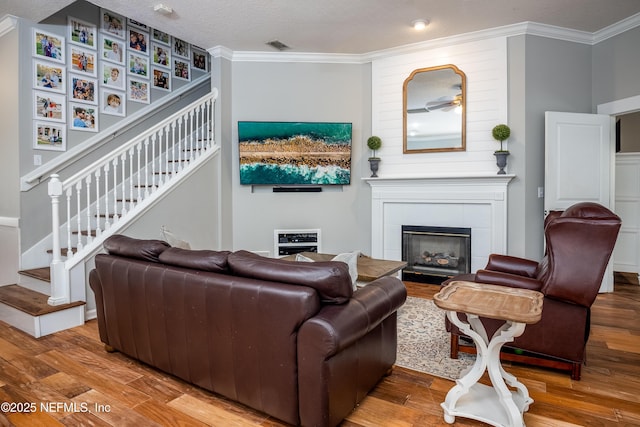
(42, 273)
(31, 302)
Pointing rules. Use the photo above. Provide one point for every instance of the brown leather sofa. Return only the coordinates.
(579, 242)
(290, 339)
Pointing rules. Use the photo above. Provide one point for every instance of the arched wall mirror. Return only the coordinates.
(434, 110)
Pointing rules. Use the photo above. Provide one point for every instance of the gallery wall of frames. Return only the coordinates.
(95, 70)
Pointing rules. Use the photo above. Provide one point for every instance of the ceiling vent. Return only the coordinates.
(277, 44)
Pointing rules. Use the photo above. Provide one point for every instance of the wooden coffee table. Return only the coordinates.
(497, 404)
(369, 269)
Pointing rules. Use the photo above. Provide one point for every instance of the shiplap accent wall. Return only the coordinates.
(485, 64)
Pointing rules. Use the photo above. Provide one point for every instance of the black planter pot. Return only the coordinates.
(374, 162)
(501, 161)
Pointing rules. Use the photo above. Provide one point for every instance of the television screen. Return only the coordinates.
(294, 153)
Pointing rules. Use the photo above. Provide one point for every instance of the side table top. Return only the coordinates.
(492, 301)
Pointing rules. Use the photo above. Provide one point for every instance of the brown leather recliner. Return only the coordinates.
(579, 243)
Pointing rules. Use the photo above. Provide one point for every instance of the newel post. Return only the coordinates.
(59, 287)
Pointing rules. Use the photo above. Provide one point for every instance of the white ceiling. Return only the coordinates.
(340, 26)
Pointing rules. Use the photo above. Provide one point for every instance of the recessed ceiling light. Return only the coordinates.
(420, 24)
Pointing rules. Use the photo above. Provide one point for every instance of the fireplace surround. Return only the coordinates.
(478, 202)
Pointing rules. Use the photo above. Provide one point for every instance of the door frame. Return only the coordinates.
(616, 108)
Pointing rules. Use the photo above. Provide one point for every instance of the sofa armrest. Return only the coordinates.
(344, 350)
(337, 326)
(506, 279)
(512, 265)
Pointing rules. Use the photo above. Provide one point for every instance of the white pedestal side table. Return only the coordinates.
(496, 405)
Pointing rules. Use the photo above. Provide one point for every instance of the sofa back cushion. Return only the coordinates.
(330, 279)
(146, 250)
(206, 260)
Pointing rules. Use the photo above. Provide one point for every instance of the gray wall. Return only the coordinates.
(303, 92)
(544, 75)
(616, 62)
(10, 110)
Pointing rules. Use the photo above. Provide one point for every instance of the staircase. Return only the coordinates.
(99, 201)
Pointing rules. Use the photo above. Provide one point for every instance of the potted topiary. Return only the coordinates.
(500, 133)
(374, 143)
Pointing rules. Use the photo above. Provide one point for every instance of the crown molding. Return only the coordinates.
(523, 28)
(7, 23)
(618, 28)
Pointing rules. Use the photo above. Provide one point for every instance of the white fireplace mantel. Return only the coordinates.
(477, 201)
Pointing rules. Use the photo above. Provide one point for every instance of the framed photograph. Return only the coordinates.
(113, 102)
(48, 46)
(82, 60)
(199, 59)
(160, 36)
(112, 75)
(112, 49)
(81, 33)
(49, 76)
(180, 48)
(49, 106)
(160, 55)
(49, 136)
(137, 24)
(85, 117)
(161, 79)
(112, 23)
(138, 91)
(83, 89)
(138, 65)
(138, 40)
(181, 69)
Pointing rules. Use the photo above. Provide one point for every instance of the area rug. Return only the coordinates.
(423, 342)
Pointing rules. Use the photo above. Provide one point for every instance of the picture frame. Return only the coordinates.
(160, 55)
(199, 59)
(138, 65)
(182, 69)
(112, 23)
(83, 89)
(138, 40)
(180, 48)
(161, 79)
(49, 136)
(112, 75)
(113, 102)
(112, 49)
(82, 61)
(137, 24)
(138, 91)
(48, 106)
(81, 33)
(48, 46)
(49, 76)
(159, 36)
(83, 117)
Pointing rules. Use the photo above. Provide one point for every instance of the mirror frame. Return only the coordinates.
(463, 104)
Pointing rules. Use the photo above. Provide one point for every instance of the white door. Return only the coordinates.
(579, 160)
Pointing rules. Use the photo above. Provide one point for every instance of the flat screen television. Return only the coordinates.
(294, 153)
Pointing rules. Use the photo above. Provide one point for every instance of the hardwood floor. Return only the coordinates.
(73, 382)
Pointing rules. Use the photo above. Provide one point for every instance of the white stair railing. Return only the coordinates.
(102, 195)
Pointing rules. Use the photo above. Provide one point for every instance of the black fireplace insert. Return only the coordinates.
(435, 254)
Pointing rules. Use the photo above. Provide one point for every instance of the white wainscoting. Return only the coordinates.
(626, 256)
(478, 202)
(9, 250)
